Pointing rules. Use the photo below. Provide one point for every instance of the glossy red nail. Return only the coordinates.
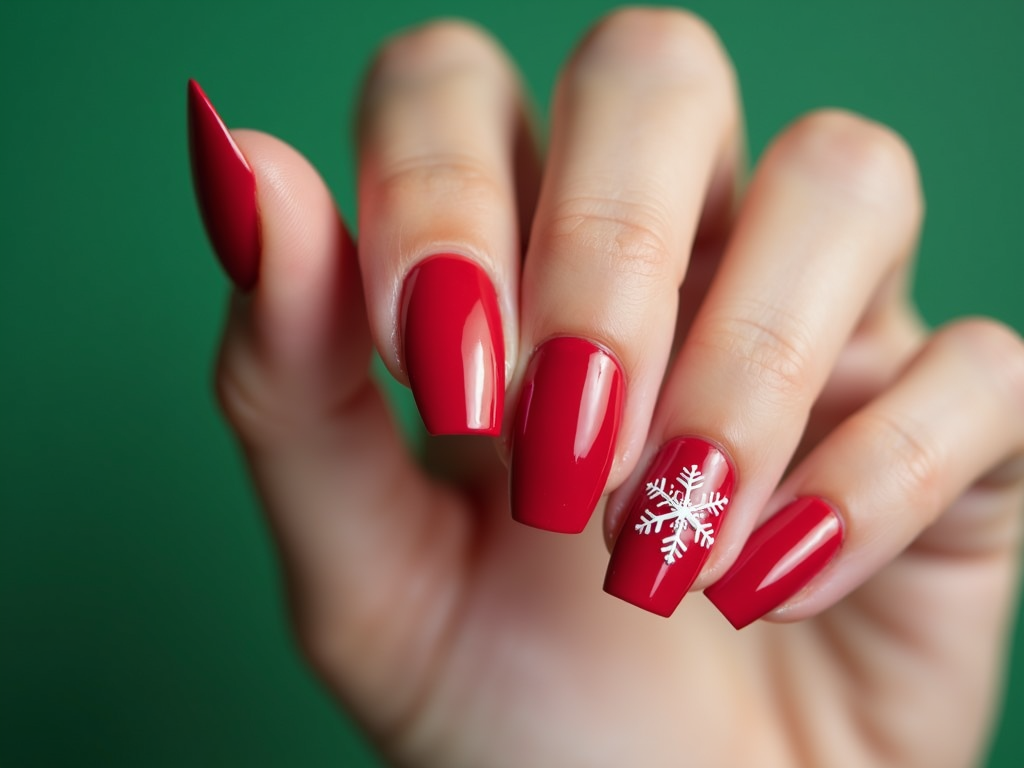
(454, 346)
(226, 190)
(671, 524)
(564, 440)
(779, 559)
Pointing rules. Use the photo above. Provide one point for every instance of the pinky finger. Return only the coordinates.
(889, 475)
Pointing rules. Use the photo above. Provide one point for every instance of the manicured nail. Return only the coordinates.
(671, 524)
(226, 190)
(779, 559)
(454, 347)
(564, 439)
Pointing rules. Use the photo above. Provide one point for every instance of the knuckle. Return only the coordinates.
(266, 412)
(326, 641)
(667, 39)
(461, 179)
(773, 349)
(859, 157)
(627, 237)
(324, 635)
(242, 399)
(912, 456)
(322, 645)
(995, 351)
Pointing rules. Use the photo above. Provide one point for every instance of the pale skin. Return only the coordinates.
(458, 637)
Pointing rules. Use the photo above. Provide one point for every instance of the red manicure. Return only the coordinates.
(226, 189)
(779, 559)
(454, 347)
(671, 524)
(564, 440)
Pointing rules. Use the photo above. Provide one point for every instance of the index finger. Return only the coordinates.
(439, 243)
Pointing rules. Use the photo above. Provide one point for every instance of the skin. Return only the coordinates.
(459, 638)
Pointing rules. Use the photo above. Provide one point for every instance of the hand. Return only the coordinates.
(791, 359)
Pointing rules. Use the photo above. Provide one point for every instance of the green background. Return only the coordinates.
(141, 614)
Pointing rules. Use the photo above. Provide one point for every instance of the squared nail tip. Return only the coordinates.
(569, 515)
(550, 524)
(435, 429)
(737, 619)
(440, 419)
(637, 602)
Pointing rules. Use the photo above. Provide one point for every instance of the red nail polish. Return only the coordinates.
(454, 346)
(671, 524)
(226, 190)
(564, 439)
(779, 559)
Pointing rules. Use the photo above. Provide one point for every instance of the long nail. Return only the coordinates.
(671, 524)
(564, 439)
(779, 559)
(454, 349)
(226, 190)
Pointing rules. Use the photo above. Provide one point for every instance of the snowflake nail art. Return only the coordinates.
(672, 523)
(682, 512)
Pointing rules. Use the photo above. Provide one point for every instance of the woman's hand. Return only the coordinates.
(791, 360)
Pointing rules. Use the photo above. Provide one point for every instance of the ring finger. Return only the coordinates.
(834, 209)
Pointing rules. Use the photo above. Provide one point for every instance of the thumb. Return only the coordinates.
(366, 539)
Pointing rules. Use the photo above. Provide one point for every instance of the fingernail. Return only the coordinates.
(779, 559)
(671, 524)
(226, 190)
(454, 347)
(564, 439)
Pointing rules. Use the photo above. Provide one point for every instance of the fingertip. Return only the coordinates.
(453, 346)
(779, 560)
(565, 432)
(305, 331)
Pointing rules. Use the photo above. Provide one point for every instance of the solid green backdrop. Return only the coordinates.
(142, 621)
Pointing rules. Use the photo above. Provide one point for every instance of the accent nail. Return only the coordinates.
(671, 524)
(454, 346)
(226, 190)
(779, 560)
(564, 440)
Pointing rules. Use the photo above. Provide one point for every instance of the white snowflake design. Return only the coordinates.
(682, 513)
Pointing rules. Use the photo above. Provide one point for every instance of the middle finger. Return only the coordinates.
(645, 117)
